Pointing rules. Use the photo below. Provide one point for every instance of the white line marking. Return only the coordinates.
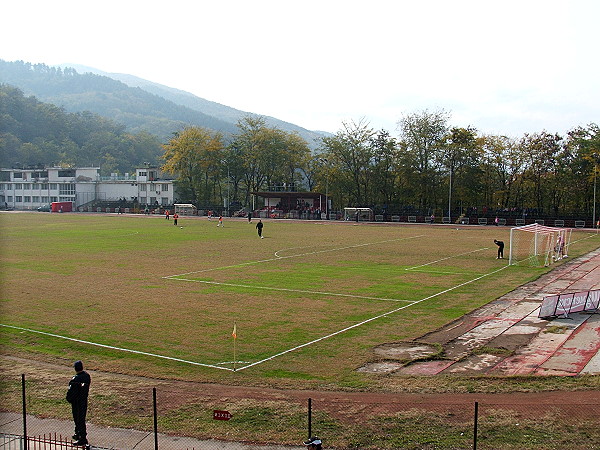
(343, 248)
(438, 271)
(370, 320)
(277, 354)
(448, 257)
(174, 277)
(249, 286)
(114, 348)
(265, 359)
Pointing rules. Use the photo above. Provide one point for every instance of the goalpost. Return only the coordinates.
(536, 244)
(358, 214)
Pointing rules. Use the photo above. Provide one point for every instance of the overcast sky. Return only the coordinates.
(504, 67)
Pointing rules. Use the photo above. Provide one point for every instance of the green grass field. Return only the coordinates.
(151, 298)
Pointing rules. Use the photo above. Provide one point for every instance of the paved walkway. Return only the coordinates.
(116, 438)
(563, 346)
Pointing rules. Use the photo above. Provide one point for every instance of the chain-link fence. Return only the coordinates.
(158, 421)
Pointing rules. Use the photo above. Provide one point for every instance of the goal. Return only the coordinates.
(538, 245)
(358, 214)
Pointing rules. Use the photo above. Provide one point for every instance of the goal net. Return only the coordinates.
(537, 245)
(358, 214)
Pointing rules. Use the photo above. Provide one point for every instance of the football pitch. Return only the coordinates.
(140, 294)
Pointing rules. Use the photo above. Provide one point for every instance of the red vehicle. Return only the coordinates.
(61, 206)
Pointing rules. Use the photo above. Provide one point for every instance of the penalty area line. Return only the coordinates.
(301, 291)
(356, 325)
(277, 257)
(447, 257)
(121, 349)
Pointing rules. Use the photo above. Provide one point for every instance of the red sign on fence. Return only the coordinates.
(221, 415)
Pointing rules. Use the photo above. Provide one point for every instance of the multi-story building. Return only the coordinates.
(30, 188)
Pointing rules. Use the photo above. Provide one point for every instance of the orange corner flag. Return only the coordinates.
(234, 333)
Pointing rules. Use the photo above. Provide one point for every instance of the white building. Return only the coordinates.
(31, 188)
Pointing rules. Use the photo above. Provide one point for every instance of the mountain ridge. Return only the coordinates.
(192, 101)
(139, 104)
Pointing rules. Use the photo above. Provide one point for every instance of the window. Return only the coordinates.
(164, 200)
(42, 174)
(26, 186)
(18, 186)
(67, 189)
(9, 198)
(165, 187)
(44, 199)
(44, 186)
(66, 173)
(18, 175)
(142, 174)
(35, 186)
(143, 187)
(53, 186)
(35, 199)
(27, 199)
(53, 199)
(18, 198)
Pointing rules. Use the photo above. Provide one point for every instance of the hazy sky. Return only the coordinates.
(505, 67)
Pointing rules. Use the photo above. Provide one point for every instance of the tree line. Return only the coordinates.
(430, 167)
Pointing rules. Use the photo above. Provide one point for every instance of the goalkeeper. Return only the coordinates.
(500, 245)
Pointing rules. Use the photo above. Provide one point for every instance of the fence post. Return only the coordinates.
(475, 426)
(155, 419)
(309, 417)
(24, 411)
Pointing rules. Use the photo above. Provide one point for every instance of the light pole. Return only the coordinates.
(324, 160)
(228, 183)
(450, 198)
(594, 206)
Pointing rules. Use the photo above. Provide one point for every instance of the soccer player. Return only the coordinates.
(500, 245)
(220, 224)
(259, 228)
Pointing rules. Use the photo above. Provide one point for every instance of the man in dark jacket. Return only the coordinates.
(259, 227)
(500, 245)
(77, 396)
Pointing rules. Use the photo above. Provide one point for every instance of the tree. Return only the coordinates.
(350, 154)
(542, 152)
(458, 152)
(192, 155)
(422, 137)
(582, 161)
(385, 173)
(268, 155)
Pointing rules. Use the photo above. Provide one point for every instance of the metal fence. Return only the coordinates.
(342, 423)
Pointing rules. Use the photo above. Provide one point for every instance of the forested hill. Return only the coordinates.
(137, 109)
(138, 104)
(34, 133)
(214, 109)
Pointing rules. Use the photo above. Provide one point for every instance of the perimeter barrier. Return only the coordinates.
(177, 417)
(555, 306)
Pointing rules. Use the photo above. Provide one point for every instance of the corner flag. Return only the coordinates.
(234, 332)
